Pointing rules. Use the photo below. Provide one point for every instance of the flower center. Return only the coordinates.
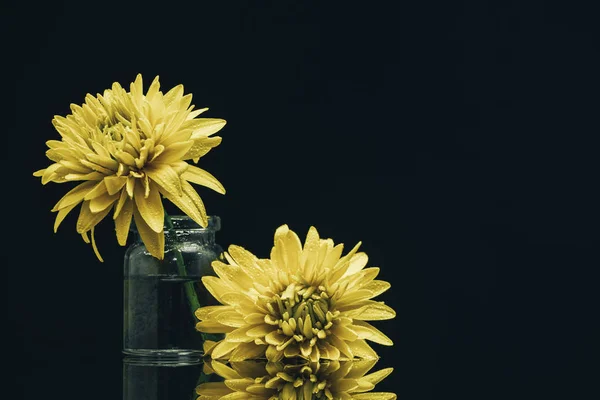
(115, 133)
(303, 314)
(298, 381)
(126, 147)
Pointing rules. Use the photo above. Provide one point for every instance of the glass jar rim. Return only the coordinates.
(184, 222)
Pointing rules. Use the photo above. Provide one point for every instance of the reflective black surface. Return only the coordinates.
(156, 380)
(144, 380)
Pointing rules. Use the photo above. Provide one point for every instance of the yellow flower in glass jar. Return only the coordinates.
(296, 379)
(128, 149)
(305, 301)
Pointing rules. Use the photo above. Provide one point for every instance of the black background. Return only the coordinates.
(456, 139)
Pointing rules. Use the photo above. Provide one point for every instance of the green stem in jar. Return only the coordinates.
(190, 291)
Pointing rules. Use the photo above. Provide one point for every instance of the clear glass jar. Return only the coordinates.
(161, 296)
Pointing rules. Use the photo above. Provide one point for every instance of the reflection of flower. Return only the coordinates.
(296, 379)
(129, 148)
(304, 301)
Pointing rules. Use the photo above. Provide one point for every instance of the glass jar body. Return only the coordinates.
(161, 296)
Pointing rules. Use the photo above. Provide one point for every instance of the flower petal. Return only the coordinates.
(92, 176)
(251, 369)
(123, 221)
(361, 349)
(369, 332)
(202, 146)
(231, 318)
(87, 219)
(102, 202)
(261, 331)
(239, 335)
(189, 202)
(203, 127)
(154, 241)
(95, 247)
(223, 349)
(354, 296)
(215, 287)
(341, 345)
(208, 312)
(377, 287)
(166, 178)
(225, 371)
(310, 253)
(357, 262)
(114, 183)
(201, 177)
(62, 213)
(378, 376)
(75, 195)
(375, 396)
(150, 207)
(247, 351)
(216, 389)
(174, 152)
(344, 385)
(360, 368)
(98, 190)
(213, 327)
(372, 311)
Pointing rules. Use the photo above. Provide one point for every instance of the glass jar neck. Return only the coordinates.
(203, 237)
(184, 229)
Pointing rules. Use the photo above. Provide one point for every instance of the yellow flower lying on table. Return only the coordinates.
(305, 301)
(129, 148)
(296, 379)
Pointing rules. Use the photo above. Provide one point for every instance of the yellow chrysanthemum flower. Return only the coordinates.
(129, 148)
(296, 379)
(305, 301)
